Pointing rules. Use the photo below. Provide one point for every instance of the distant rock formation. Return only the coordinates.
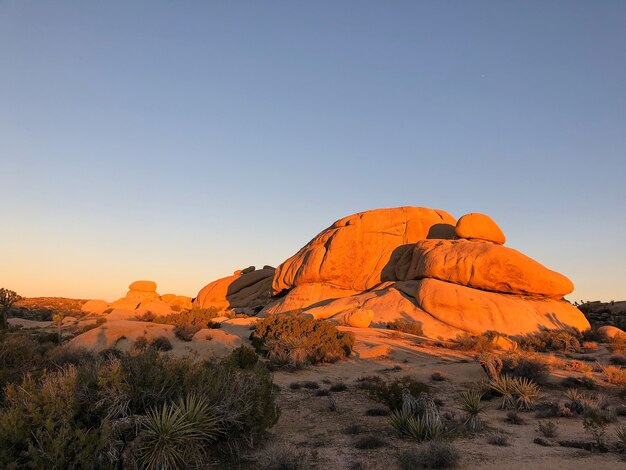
(140, 299)
(419, 265)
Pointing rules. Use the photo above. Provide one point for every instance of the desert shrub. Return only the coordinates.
(283, 456)
(436, 454)
(141, 344)
(322, 393)
(370, 442)
(470, 404)
(437, 377)
(390, 393)
(295, 385)
(186, 331)
(618, 360)
(406, 327)
(43, 423)
(551, 340)
(353, 429)
(18, 353)
(578, 366)
(243, 356)
(614, 374)
(161, 343)
(498, 439)
(60, 356)
(338, 387)
(595, 423)
(293, 341)
(534, 368)
(579, 382)
(377, 412)
(482, 343)
(547, 428)
(617, 344)
(310, 385)
(513, 418)
(195, 316)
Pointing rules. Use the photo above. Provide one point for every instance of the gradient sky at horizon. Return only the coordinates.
(179, 141)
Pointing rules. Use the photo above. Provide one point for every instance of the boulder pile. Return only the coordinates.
(420, 265)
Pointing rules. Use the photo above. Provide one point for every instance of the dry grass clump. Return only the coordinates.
(293, 342)
(370, 442)
(482, 343)
(283, 456)
(406, 327)
(436, 454)
(186, 331)
(615, 375)
(617, 344)
(547, 428)
(527, 365)
(498, 439)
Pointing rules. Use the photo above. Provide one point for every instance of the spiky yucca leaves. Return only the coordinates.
(620, 433)
(520, 393)
(504, 386)
(418, 418)
(526, 393)
(174, 434)
(470, 402)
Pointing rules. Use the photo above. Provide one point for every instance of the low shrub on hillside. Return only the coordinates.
(294, 341)
(436, 454)
(122, 410)
(482, 343)
(193, 317)
(406, 327)
(533, 367)
(551, 340)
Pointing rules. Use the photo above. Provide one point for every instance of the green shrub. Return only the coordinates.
(519, 393)
(193, 317)
(390, 393)
(244, 357)
(470, 403)
(85, 415)
(436, 454)
(293, 341)
(595, 423)
(406, 327)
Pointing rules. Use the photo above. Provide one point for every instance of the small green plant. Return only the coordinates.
(519, 393)
(406, 327)
(547, 428)
(243, 356)
(418, 418)
(470, 403)
(435, 454)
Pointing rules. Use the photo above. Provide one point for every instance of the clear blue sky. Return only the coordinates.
(179, 141)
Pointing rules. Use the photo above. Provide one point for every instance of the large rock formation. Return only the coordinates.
(246, 291)
(354, 254)
(405, 264)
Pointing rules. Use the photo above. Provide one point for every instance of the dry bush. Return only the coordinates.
(390, 392)
(547, 428)
(406, 327)
(283, 456)
(186, 331)
(615, 375)
(551, 340)
(526, 365)
(293, 341)
(436, 454)
(617, 344)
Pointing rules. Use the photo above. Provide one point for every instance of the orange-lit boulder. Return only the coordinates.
(178, 302)
(479, 226)
(485, 266)
(143, 286)
(96, 307)
(352, 253)
(245, 290)
(477, 311)
(305, 295)
(609, 332)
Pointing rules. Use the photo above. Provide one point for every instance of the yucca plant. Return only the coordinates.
(504, 385)
(620, 433)
(418, 419)
(526, 393)
(470, 402)
(174, 434)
